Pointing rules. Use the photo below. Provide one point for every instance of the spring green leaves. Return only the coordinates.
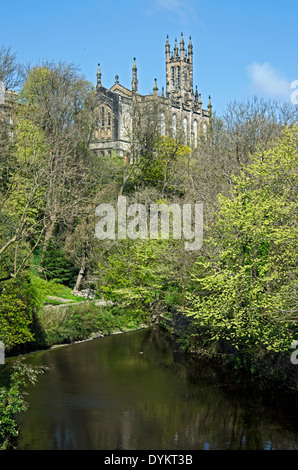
(245, 291)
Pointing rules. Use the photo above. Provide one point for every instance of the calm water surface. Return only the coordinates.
(133, 391)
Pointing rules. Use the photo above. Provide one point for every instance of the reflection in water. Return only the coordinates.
(133, 391)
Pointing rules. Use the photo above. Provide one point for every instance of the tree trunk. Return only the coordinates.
(82, 270)
(79, 279)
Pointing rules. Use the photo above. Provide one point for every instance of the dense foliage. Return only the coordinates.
(140, 276)
(245, 291)
(13, 384)
(18, 304)
(239, 289)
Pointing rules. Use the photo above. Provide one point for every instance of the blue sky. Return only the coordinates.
(241, 48)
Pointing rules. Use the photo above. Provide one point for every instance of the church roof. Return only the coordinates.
(121, 90)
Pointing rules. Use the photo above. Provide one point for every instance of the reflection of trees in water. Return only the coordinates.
(120, 399)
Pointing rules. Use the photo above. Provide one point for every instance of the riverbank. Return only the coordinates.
(66, 317)
(275, 370)
(62, 321)
(84, 321)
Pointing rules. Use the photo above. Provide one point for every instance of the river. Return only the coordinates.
(134, 391)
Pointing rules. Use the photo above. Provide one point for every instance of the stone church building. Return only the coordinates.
(177, 112)
(7, 99)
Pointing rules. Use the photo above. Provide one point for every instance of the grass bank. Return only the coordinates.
(64, 318)
(62, 324)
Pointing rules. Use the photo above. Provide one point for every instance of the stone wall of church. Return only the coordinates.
(123, 115)
(125, 123)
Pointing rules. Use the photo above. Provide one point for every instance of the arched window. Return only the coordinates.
(174, 125)
(195, 133)
(102, 117)
(173, 76)
(185, 129)
(178, 76)
(162, 124)
(109, 119)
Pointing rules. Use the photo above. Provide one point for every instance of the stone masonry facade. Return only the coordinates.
(178, 110)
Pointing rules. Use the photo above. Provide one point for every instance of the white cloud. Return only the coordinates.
(181, 8)
(267, 80)
(171, 5)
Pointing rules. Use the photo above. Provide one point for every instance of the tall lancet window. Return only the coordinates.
(195, 133)
(162, 124)
(185, 129)
(178, 76)
(173, 77)
(174, 125)
(102, 117)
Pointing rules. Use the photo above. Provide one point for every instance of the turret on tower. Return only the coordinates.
(190, 53)
(210, 107)
(155, 88)
(134, 83)
(98, 84)
(182, 47)
(179, 71)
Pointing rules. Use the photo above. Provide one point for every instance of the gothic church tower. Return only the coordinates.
(179, 111)
(179, 71)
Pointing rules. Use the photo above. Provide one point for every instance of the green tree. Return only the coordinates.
(244, 289)
(140, 275)
(58, 99)
(22, 181)
(165, 165)
(13, 384)
(19, 302)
